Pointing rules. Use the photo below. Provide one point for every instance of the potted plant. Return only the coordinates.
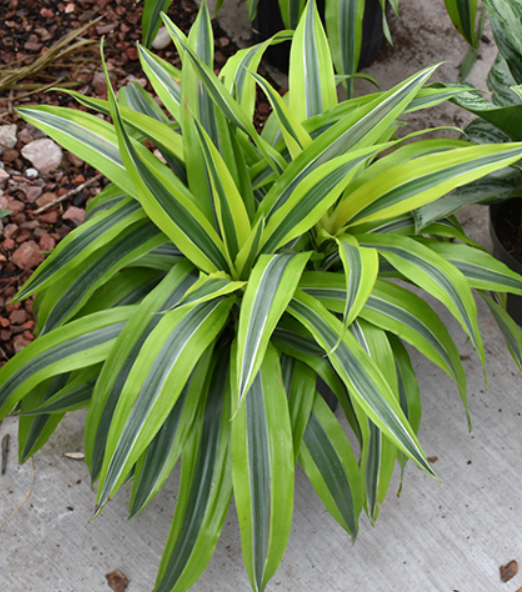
(500, 120)
(208, 290)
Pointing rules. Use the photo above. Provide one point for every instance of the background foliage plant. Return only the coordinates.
(217, 279)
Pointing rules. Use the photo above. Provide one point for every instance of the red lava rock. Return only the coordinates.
(5, 335)
(4, 322)
(23, 236)
(105, 29)
(508, 571)
(32, 193)
(132, 53)
(46, 198)
(18, 317)
(74, 160)
(12, 307)
(49, 217)
(117, 581)
(27, 256)
(10, 155)
(19, 342)
(78, 180)
(75, 215)
(15, 206)
(46, 13)
(29, 325)
(28, 335)
(25, 136)
(47, 242)
(8, 244)
(10, 230)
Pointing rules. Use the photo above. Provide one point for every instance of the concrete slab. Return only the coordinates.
(441, 538)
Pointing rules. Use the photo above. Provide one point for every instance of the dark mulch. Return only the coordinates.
(27, 31)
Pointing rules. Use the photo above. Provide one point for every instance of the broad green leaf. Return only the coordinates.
(329, 462)
(295, 135)
(310, 75)
(433, 273)
(155, 381)
(78, 344)
(263, 472)
(165, 80)
(168, 202)
(231, 213)
(300, 385)
(63, 299)
(82, 242)
(361, 376)
(87, 136)
(509, 328)
(344, 25)
(151, 19)
(76, 394)
(156, 464)
(205, 489)
(463, 14)
(414, 184)
(270, 288)
(399, 311)
(122, 358)
(481, 269)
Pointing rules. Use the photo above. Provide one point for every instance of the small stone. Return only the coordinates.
(10, 231)
(78, 180)
(32, 193)
(44, 154)
(18, 317)
(31, 173)
(508, 571)
(104, 29)
(47, 242)
(3, 176)
(99, 83)
(19, 342)
(49, 217)
(8, 244)
(46, 198)
(117, 581)
(5, 335)
(46, 13)
(69, 8)
(4, 322)
(27, 256)
(7, 137)
(10, 155)
(75, 215)
(74, 160)
(162, 39)
(132, 53)
(15, 206)
(24, 135)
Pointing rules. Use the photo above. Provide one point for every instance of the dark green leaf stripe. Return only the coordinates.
(259, 474)
(125, 366)
(67, 399)
(348, 363)
(205, 490)
(151, 389)
(325, 456)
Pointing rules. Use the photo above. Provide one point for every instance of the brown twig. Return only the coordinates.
(69, 194)
(5, 450)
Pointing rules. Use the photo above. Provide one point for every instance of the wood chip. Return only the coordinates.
(5, 450)
(433, 459)
(117, 581)
(508, 571)
(74, 455)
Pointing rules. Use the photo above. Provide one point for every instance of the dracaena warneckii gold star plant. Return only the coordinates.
(208, 289)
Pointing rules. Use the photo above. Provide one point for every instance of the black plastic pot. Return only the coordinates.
(268, 22)
(514, 302)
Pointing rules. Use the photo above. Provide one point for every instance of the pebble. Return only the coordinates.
(3, 176)
(7, 137)
(45, 198)
(162, 39)
(31, 173)
(75, 215)
(27, 256)
(47, 242)
(32, 193)
(44, 154)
